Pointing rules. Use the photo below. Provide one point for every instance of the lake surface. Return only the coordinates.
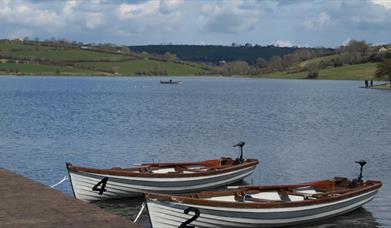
(300, 130)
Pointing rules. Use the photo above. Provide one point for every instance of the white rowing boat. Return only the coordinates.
(90, 184)
(261, 206)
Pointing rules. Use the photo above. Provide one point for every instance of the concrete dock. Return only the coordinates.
(25, 203)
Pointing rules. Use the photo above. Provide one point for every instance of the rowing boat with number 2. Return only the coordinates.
(91, 184)
(260, 206)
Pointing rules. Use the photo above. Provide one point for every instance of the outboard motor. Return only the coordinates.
(362, 163)
(240, 159)
(358, 181)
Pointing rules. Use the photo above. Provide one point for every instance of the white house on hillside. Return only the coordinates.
(382, 49)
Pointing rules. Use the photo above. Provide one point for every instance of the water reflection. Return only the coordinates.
(127, 208)
(357, 218)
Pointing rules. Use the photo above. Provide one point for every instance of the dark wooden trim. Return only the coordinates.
(128, 172)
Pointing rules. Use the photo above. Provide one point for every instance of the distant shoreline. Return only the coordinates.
(379, 86)
(386, 86)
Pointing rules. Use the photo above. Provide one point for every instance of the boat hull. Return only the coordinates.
(171, 214)
(128, 186)
(171, 82)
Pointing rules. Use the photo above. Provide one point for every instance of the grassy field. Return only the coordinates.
(21, 46)
(65, 55)
(39, 69)
(45, 60)
(145, 66)
(317, 60)
(348, 72)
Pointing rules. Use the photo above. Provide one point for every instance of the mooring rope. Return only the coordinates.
(141, 211)
(60, 182)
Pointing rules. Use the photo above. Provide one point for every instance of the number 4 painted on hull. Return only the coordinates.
(102, 189)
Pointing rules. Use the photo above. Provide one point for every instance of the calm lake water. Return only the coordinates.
(299, 130)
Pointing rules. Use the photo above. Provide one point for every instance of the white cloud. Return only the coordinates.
(69, 6)
(167, 6)
(151, 8)
(28, 14)
(94, 20)
(229, 16)
(308, 24)
(283, 43)
(345, 42)
(385, 3)
(150, 16)
(128, 10)
(213, 21)
(316, 22)
(323, 18)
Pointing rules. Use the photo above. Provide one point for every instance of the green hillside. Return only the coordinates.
(348, 72)
(63, 58)
(40, 58)
(145, 67)
(64, 55)
(40, 69)
(317, 60)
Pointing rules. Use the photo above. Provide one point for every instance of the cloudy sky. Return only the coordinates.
(285, 22)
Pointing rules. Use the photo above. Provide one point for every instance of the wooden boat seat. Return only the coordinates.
(229, 198)
(203, 169)
(332, 193)
(148, 169)
(296, 195)
(267, 197)
(303, 195)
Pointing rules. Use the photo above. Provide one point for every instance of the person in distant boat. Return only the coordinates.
(371, 82)
(366, 83)
(170, 80)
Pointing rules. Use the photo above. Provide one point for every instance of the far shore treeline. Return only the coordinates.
(357, 60)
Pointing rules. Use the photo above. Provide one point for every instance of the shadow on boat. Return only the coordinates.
(357, 218)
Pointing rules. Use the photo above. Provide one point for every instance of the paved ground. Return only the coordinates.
(25, 203)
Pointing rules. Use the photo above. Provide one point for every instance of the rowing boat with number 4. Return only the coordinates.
(91, 184)
(261, 206)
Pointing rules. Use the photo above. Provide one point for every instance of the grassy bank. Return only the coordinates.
(365, 71)
(382, 86)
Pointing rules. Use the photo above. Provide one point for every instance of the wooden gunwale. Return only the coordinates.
(128, 173)
(369, 185)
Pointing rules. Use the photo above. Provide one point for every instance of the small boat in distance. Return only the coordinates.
(261, 206)
(171, 82)
(91, 184)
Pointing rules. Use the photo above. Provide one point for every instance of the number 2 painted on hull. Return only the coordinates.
(102, 189)
(190, 220)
